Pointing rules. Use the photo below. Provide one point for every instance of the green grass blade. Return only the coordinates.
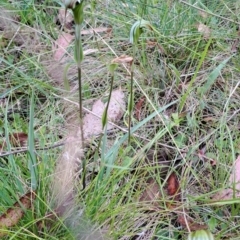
(65, 78)
(203, 56)
(213, 76)
(112, 153)
(12, 163)
(32, 160)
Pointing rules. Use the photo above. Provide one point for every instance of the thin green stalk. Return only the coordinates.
(80, 104)
(81, 124)
(79, 57)
(78, 18)
(135, 33)
(112, 68)
(130, 104)
(77, 8)
(32, 162)
(78, 52)
(104, 121)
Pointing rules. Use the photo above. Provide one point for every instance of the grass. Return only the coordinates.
(191, 89)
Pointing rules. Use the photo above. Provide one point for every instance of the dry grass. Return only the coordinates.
(176, 72)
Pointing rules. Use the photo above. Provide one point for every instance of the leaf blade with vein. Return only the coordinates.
(213, 76)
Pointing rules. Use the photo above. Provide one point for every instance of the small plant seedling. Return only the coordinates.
(135, 32)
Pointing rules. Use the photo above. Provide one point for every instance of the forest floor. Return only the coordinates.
(180, 171)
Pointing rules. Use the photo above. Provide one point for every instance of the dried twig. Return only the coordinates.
(22, 150)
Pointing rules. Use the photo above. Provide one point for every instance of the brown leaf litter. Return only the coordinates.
(14, 214)
(72, 155)
(189, 224)
(65, 18)
(96, 30)
(151, 193)
(173, 187)
(139, 107)
(153, 196)
(174, 191)
(234, 182)
(16, 140)
(60, 47)
(204, 30)
(92, 123)
(123, 59)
